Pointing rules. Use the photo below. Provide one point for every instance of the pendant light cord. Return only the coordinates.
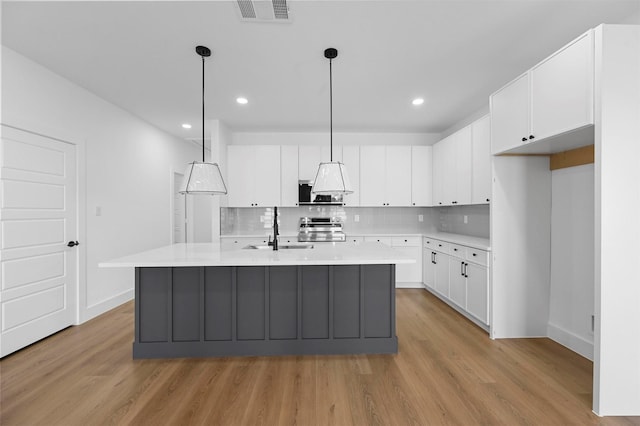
(203, 109)
(330, 112)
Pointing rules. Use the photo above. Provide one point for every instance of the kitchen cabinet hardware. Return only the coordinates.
(73, 244)
(487, 200)
(524, 139)
(455, 249)
(531, 136)
(474, 254)
(462, 268)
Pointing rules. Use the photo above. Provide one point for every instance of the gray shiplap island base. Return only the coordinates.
(204, 300)
(209, 311)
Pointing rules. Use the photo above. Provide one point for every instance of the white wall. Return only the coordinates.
(127, 171)
(220, 138)
(520, 243)
(322, 138)
(571, 299)
(616, 376)
(466, 121)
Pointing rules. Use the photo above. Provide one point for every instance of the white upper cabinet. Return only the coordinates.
(351, 159)
(373, 175)
(289, 175)
(385, 175)
(510, 115)
(254, 175)
(398, 181)
(452, 169)
(421, 176)
(462, 161)
(439, 153)
(562, 89)
(554, 97)
(310, 157)
(481, 156)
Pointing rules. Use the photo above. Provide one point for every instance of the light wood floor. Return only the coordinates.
(447, 371)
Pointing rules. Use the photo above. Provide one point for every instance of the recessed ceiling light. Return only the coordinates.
(186, 126)
(417, 101)
(242, 101)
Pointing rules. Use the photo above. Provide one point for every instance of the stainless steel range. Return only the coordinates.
(321, 229)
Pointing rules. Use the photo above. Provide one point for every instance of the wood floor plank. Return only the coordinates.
(447, 371)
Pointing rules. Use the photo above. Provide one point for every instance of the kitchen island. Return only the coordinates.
(198, 300)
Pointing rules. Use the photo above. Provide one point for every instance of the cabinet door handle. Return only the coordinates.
(462, 268)
(465, 270)
(531, 137)
(524, 139)
(435, 259)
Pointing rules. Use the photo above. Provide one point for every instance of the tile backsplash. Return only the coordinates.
(371, 220)
(452, 219)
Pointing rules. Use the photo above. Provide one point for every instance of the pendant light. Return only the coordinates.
(332, 177)
(203, 177)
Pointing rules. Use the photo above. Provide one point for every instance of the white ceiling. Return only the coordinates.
(140, 56)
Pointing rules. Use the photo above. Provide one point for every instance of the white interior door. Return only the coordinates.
(38, 218)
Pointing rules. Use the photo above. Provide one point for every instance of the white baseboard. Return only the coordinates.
(570, 340)
(100, 308)
(409, 285)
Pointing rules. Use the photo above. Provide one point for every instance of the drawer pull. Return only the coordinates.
(462, 268)
(455, 249)
(474, 254)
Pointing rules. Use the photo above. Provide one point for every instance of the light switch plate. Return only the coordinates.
(465, 219)
(420, 218)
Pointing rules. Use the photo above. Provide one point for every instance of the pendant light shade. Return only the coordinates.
(203, 177)
(332, 177)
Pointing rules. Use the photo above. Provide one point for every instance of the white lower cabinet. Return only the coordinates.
(441, 273)
(428, 268)
(457, 282)
(459, 275)
(478, 292)
(408, 275)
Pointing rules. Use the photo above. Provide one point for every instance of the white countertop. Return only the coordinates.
(211, 254)
(465, 240)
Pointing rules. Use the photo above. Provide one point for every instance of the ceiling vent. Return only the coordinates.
(264, 10)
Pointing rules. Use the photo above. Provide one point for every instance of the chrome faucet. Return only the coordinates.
(274, 243)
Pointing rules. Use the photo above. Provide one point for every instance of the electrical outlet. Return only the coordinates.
(465, 219)
(356, 218)
(420, 218)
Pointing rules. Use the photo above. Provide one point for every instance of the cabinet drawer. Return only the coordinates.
(383, 240)
(480, 257)
(405, 241)
(429, 243)
(354, 240)
(441, 246)
(457, 250)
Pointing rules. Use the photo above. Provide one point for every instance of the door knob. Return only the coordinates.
(73, 244)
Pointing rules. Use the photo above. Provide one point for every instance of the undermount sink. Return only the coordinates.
(280, 246)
